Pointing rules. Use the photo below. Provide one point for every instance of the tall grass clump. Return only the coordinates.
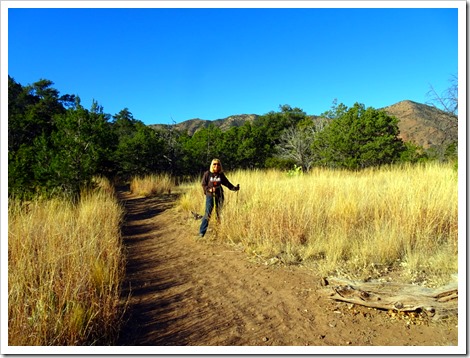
(362, 224)
(149, 185)
(65, 267)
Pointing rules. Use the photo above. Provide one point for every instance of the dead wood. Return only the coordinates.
(437, 303)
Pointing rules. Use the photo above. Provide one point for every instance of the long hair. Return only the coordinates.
(215, 160)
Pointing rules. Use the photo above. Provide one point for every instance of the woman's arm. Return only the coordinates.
(227, 183)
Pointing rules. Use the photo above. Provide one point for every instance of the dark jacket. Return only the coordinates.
(215, 180)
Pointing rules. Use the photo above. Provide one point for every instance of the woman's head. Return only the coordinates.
(216, 166)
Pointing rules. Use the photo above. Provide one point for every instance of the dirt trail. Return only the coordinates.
(188, 291)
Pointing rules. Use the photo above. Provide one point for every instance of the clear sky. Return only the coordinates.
(174, 64)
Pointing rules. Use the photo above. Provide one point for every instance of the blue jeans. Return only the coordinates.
(210, 200)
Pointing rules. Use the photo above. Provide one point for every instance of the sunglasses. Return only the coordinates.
(218, 164)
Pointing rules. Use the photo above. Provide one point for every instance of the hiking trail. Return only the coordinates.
(185, 291)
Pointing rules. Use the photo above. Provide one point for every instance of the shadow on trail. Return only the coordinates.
(156, 291)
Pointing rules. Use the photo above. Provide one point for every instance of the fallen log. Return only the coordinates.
(437, 303)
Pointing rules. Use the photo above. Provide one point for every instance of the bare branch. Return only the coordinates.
(448, 100)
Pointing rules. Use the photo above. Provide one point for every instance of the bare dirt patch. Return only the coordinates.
(185, 291)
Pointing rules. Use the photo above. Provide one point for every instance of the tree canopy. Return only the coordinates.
(358, 138)
(55, 145)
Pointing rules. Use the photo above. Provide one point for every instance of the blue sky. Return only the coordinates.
(174, 64)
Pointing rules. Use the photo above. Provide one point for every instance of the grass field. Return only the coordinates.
(152, 185)
(65, 266)
(394, 221)
(65, 261)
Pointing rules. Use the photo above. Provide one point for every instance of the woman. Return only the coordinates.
(212, 182)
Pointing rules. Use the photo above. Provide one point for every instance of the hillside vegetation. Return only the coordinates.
(420, 124)
(56, 146)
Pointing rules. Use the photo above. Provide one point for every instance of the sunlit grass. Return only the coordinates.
(362, 224)
(65, 267)
(152, 185)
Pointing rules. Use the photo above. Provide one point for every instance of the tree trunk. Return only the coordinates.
(438, 303)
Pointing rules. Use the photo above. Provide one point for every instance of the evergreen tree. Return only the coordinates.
(139, 150)
(32, 113)
(201, 148)
(79, 147)
(267, 131)
(359, 138)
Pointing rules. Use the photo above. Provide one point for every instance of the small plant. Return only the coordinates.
(295, 172)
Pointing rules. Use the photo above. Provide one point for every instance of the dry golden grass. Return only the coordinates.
(152, 184)
(65, 266)
(367, 224)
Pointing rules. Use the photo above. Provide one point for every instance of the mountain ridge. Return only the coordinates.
(419, 123)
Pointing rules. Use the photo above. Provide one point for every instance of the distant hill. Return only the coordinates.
(424, 125)
(419, 123)
(190, 126)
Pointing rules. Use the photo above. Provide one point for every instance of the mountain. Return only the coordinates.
(419, 123)
(190, 126)
(424, 125)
